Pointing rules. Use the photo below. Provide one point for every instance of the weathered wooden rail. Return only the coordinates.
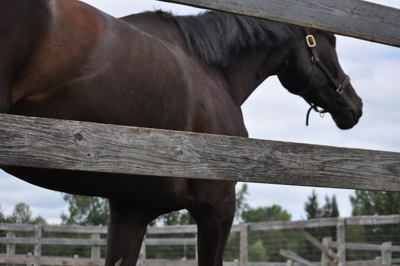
(83, 146)
(353, 18)
(38, 241)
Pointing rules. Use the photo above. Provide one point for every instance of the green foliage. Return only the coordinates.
(85, 210)
(257, 252)
(329, 209)
(241, 202)
(312, 208)
(375, 203)
(265, 214)
(2, 216)
(20, 215)
(39, 220)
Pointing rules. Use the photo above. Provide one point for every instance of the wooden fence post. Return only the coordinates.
(29, 256)
(341, 241)
(244, 245)
(76, 258)
(95, 254)
(386, 254)
(289, 263)
(378, 260)
(11, 247)
(38, 244)
(235, 262)
(325, 260)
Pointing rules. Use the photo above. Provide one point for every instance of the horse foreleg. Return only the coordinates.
(214, 216)
(126, 230)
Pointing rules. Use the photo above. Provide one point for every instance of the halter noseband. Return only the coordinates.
(315, 59)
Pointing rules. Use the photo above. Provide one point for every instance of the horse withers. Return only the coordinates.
(65, 59)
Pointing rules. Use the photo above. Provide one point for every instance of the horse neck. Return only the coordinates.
(252, 66)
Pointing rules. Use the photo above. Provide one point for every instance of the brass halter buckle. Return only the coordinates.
(311, 41)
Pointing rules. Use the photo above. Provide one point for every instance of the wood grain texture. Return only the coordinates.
(354, 18)
(72, 145)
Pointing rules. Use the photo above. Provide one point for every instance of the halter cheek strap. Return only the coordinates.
(316, 62)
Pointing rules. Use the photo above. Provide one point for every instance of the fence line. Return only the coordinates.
(354, 18)
(84, 146)
(11, 240)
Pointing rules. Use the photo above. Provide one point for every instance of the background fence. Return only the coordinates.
(357, 240)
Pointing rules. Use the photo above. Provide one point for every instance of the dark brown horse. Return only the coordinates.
(65, 59)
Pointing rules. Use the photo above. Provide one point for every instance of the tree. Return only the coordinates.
(312, 208)
(375, 203)
(39, 220)
(2, 217)
(241, 202)
(21, 214)
(330, 209)
(85, 210)
(265, 214)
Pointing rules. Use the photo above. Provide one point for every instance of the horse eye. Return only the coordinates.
(333, 41)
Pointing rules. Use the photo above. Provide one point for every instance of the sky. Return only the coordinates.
(273, 113)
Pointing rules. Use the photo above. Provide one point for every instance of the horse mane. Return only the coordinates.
(217, 37)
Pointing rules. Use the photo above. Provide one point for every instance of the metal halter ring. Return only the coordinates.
(311, 41)
(340, 89)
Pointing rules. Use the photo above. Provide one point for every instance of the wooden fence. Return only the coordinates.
(339, 256)
(47, 143)
(72, 145)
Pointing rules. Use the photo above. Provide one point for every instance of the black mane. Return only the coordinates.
(217, 37)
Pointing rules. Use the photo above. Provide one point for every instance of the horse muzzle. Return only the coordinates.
(348, 110)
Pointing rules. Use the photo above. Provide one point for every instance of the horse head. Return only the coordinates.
(313, 72)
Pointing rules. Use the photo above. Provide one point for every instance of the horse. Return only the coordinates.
(65, 59)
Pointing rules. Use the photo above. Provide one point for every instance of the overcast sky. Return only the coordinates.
(273, 113)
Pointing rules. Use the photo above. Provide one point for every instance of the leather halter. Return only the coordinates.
(316, 61)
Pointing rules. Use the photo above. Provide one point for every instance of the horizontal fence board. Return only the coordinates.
(361, 246)
(170, 241)
(53, 261)
(354, 18)
(172, 229)
(75, 229)
(54, 241)
(17, 227)
(17, 240)
(170, 262)
(281, 225)
(373, 220)
(74, 241)
(73, 145)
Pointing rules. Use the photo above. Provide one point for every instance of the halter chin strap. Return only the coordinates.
(316, 61)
